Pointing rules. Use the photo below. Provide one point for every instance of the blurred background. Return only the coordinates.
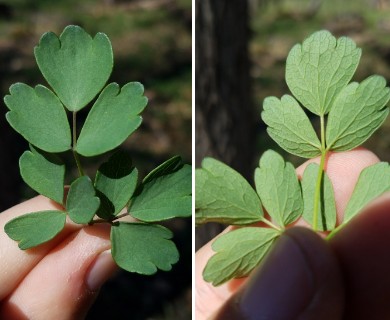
(241, 49)
(152, 44)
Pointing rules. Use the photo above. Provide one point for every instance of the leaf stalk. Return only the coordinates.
(74, 143)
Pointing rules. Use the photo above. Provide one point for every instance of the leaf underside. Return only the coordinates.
(237, 253)
(373, 182)
(44, 173)
(326, 205)
(75, 65)
(223, 195)
(319, 68)
(165, 194)
(35, 228)
(278, 187)
(143, 248)
(290, 127)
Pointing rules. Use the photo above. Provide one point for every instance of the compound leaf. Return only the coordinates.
(143, 248)
(238, 253)
(290, 127)
(223, 195)
(278, 187)
(35, 228)
(44, 173)
(358, 111)
(81, 203)
(115, 182)
(38, 115)
(75, 65)
(373, 181)
(164, 194)
(113, 117)
(326, 205)
(320, 68)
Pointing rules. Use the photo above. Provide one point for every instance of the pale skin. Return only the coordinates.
(57, 280)
(306, 277)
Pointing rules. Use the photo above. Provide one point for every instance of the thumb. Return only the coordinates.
(300, 279)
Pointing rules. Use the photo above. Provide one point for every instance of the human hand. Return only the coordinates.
(56, 280)
(306, 277)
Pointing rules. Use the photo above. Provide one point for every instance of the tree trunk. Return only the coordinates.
(224, 121)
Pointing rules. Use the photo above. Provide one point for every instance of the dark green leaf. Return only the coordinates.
(81, 203)
(238, 253)
(167, 167)
(278, 187)
(143, 248)
(320, 68)
(223, 195)
(358, 111)
(115, 181)
(75, 65)
(290, 127)
(326, 204)
(164, 194)
(33, 229)
(38, 115)
(113, 117)
(44, 173)
(373, 182)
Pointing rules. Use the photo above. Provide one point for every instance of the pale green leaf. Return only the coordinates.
(81, 203)
(38, 115)
(115, 182)
(238, 253)
(164, 194)
(326, 202)
(143, 248)
(113, 117)
(290, 127)
(373, 182)
(44, 173)
(278, 187)
(358, 111)
(223, 195)
(75, 65)
(320, 68)
(35, 228)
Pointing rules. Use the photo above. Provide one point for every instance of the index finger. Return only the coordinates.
(343, 169)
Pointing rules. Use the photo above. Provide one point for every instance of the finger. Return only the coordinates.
(362, 248)
(65, 282)
(343, 169)
(300, 279)
(15, 263)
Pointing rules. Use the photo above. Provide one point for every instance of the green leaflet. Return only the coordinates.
(38, 115)
(143, 248)
(223, 195)
(290, 127)
(373, 182)
(115, 182)
(81, 203)
(169, 166)
(75, 65)
(164, 194)
(357, 112)
(35, 228)
(44, 173)
(278, 187)
(320, 68)
(113, 117)
(237, 253)
(326, 204)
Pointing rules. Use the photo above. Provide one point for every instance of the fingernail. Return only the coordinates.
(100, 271)
(282, 286)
